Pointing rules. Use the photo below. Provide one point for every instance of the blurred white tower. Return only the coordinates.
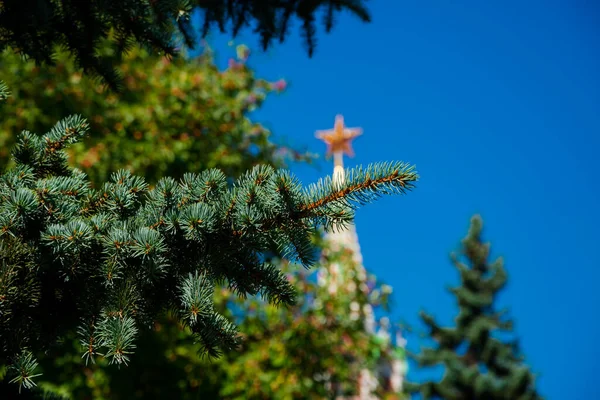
(335, 276)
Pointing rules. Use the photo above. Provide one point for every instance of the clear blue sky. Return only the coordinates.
(499, 108)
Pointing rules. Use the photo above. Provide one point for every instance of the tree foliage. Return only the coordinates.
(174, 117)
(108, 261)
(325, 346)
(36, 29)
(318, 348)
(479, 363)
(166, 362)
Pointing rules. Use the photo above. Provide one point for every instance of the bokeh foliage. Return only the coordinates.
(176, 116)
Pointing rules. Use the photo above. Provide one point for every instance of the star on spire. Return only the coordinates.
(339, 139)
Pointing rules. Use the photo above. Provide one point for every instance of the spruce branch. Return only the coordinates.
(23, 367)
(118, 335)
(108, 261)
(197, 292)
(361, 186)
(87, 339)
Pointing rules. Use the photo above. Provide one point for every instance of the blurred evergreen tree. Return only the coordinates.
(479, 363)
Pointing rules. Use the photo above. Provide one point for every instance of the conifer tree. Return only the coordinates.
(36, 29)
(479, 363)
(106, 262)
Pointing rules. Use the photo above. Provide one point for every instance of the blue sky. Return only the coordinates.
(499, 108)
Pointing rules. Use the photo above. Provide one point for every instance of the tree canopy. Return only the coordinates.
(36, 29)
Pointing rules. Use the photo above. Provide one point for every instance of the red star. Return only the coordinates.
(339, 139)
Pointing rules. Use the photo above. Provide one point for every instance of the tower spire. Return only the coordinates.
(339, 142)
